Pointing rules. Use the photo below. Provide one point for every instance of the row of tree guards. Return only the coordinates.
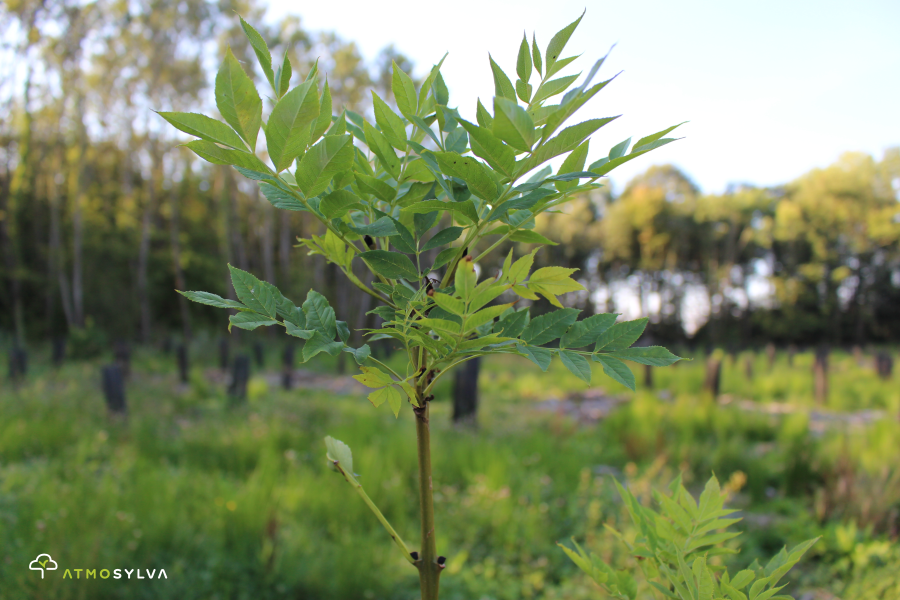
(884, 367)
(465, 390)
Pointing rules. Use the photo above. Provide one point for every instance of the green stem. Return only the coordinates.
(429, 569)
(394, 535)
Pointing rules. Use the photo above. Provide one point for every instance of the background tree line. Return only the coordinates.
(102, 216)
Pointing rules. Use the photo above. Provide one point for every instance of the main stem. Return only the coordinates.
(429, 569)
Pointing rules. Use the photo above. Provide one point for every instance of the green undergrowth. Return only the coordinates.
(238, 502)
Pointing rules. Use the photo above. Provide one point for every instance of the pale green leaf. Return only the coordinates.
(576, 364)
(237, 100)
(328, 157)
(616, 369)
(205, 128)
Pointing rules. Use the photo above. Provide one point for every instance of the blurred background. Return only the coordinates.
(135, 431)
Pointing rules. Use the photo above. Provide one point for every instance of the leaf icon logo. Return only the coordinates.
(41, 565)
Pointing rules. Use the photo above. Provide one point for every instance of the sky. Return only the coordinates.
(770, 89)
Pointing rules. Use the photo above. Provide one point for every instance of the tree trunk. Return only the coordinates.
(713, 374)
(174, 231)
(76, 190)
(820, 375)
(284, 251)
(465, 392)
(266, 239)
(144, 248)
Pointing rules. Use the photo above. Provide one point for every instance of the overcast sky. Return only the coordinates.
(771, 89)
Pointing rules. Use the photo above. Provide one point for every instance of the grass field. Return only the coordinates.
(238, 502)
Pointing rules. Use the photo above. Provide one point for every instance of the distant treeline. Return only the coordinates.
(102, 216)
(813, 261)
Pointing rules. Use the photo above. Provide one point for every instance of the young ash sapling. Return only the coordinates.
(390, 193)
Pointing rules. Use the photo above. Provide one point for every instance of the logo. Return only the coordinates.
(44, 562)
(40, 565)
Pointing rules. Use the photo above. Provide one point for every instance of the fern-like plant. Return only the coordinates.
(673, 547)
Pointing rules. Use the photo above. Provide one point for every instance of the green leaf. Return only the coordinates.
(283, 76)
(443, 257)
(523, 62)
(583, 333)
(743, 578)
(558, 42)
(539, 356)
(336, 204)
(391, 394)
(237, 100)
(733, 593)
(536, 55)
(513, 124)
(390, 124)
(251, 291)
(288, 129)
(465, 279)
(560, 64)
(553, 87)
(554, 280)
(360, 354)
(382, 148)
(249, 320)
(477, 177)
(655, 356)
(392, 265)
(319, 314)
(376, 187)
(383, 227)
(558, 115)
(280, 198)
(520, 269)
(299, 332)
(403, 240)
(549, 326)
(204, 128)
(621, 335)
(373, 377)
(323, 121)
(513, 324)
(523, 90)
(489, 147)
(217, 155)
(656, 136)
(432, 80)
(328, 157)
(404, 92)
(483, 316)
(443, 237)
(567, 140)
(211, 299)
(260, 48)
(465, 209)
(320, 343)
(526, 236)
(339, 452)
(452, 305)
(574, 163)
(616, 369)
(483, 117)
(619, 149)
(576, 364)
(503, 87)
